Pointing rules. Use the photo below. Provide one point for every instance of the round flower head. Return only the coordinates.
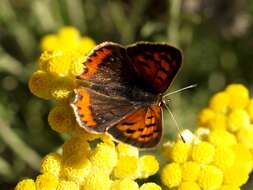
(203, 152)
(150, 186)
(76, 172)
(49, 43)
(67, 185)
(61, 118)
(190, 171)
(189, 186)
(219, 121)
(239, 96)
(127, 167)
(210, 177)
(171, 175)
(124, 184)
(219, 137)
(26, 184)
(51, 163)
(97, 179)
(245, 136)
(238, 119)
(243, 157)
(148, 166)
(75, 146)
(104, 157)
(46, 181)
(205, 116)
(40, 84)
(180, 151)
(224, 157)
(127, 150)
(220, 102)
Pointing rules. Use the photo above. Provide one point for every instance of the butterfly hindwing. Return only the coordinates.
(95, 111)
(155, 64)
(142, 128)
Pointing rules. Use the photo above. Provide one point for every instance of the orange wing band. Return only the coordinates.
(93, 61)
(81, 105)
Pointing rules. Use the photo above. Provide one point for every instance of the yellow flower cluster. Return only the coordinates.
(61, 60)
(219, 154)
(106, 167)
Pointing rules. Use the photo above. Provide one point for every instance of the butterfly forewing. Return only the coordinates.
(142, 128)
(155, 64)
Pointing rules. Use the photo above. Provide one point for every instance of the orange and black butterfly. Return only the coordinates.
(125, 94)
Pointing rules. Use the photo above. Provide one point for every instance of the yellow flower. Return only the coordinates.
(190, 171)
(127, 150)
(239, 96)
(238, 119)
(62, 88)
(203, 152)
(124, 184)
(76, 172)
(51, 163)
(61, 118)
(104, 157)
(245, 136)
(40, 84)
(26, 184)
(220, 102)
(68, 38)
(224, 157)
(62, 63)
(179, 151)
(205, 116)
(49, 43)
(244, 158)
(55, 62)
(46, 181)
(48, 86)
(97, 179)
(150, 186)
(86, 44)
(76, 146)
(127, 167)
(67, 185)
(219, 137)
(171, 175)
(250, 109)
(219, 121)
(235, 176)
(148, 166)
(189, 185)
(229, 187)
(210, 178)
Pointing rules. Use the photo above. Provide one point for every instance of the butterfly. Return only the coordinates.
(124, 95)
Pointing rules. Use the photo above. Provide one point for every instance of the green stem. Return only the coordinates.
(18, 146)
(174, 21)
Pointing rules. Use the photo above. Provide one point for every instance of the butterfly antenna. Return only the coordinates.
(181, 89)
(175, 121)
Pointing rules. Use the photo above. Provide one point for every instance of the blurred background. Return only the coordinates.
(214, 35)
